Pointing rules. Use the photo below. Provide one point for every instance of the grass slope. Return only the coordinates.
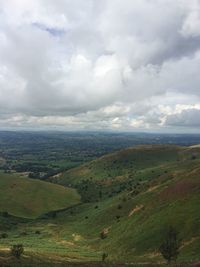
(122, 163)
(144, 190)
(30, 198)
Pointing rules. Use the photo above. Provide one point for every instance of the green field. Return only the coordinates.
(28, 198)
(144, 190)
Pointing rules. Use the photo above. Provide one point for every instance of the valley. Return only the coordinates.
(119, 204)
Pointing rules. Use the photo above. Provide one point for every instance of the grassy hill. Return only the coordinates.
(125, 162)
(30, 198)
(129, 199)
(144, 190)
(128, 170)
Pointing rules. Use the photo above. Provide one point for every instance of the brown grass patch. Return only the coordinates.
(179, 190)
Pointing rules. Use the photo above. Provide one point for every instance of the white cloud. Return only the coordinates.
(99, 64)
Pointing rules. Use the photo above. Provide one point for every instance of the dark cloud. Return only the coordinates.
(187, 118)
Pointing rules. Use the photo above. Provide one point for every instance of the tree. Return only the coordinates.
(17, 250)
(170, 246)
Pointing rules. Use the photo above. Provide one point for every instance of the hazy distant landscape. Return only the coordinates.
(44, 154)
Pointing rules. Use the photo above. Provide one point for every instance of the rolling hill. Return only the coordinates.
(144, 190)
(129, 200)
(123, 163)
(28, 198)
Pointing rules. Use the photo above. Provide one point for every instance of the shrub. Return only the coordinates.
(17, 250)
(104, 256)
(37, 232)
(103, 234)
(3, 235)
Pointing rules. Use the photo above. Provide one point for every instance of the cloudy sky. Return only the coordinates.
(100, 64)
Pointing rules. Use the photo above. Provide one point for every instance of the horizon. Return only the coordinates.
(107, 131)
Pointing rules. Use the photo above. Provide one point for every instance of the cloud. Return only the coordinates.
(99, 64)
(186, 118)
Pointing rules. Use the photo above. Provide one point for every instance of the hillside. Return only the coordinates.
(130, 169)
(144, 190)
(123, 163)
(129, 199)
(30, 198)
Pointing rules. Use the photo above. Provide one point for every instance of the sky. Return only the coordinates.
(120, 65)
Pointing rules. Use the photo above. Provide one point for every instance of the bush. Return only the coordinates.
(103, 234)
(17, 250)
(104, 256)
(3, 235)
(37, 232)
